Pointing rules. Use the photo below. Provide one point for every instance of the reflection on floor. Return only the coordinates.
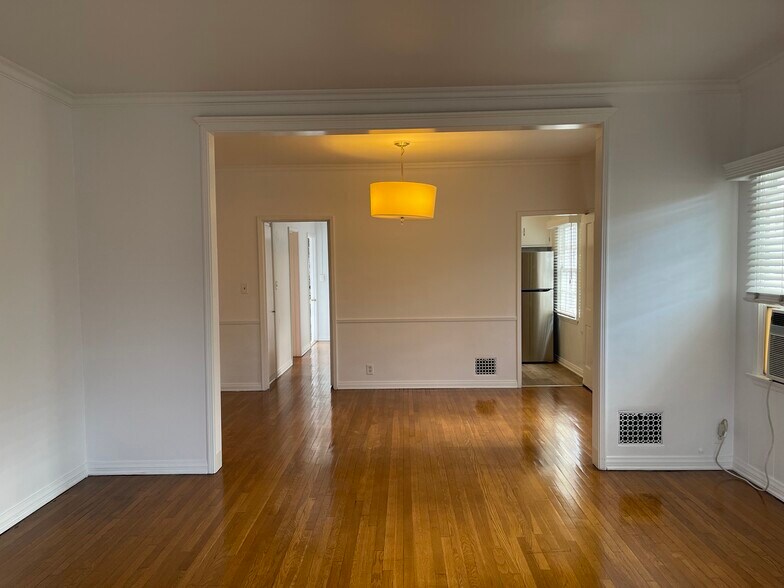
(478, 487)
(549, 374)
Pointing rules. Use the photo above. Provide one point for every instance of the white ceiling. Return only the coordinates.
(250, 149)
(100, 46)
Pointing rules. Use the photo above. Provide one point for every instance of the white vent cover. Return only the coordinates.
(485, 366)
(639, 428)
(774, 367)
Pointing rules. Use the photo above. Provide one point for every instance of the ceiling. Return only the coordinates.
(249, 149)
(107, 46)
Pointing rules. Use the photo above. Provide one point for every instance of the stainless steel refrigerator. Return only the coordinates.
(537, 304)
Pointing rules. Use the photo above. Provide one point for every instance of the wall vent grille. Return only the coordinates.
(639, 428)
(485, 366)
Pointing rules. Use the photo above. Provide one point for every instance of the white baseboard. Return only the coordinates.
(152, 467)
(664, 462)
(757, 476)
(574, 368)
(241, 387)
(418, 384)
(37, 499)
(322, 340)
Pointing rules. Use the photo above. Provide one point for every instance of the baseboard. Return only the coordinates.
(322, 340)
(151, 467)
(757, 476)
(424, 384)
(664, 462)
(570, 366)
(241, 387)
(284, 369)
(37, 499)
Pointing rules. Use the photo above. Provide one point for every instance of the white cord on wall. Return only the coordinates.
(723, 436)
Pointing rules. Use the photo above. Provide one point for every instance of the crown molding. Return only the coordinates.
(754, 75)
(378, 166)
(457, 93)
(742, 169)
(33, 81)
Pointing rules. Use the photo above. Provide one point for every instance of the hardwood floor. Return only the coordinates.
(406, 488)
(549, 374)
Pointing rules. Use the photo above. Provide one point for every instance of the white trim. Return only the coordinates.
(34, 82)
(241, 387)
(665, 462)
(147, 467)
(750, 77)
(286, 367)
(742, 169)
(238, 323)
(572, 367)
(425, 384)
(430, 319)
(378, 166)
(757, 476)
(393, 95)
(39, 498)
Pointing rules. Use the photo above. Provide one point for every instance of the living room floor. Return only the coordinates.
(407, 488)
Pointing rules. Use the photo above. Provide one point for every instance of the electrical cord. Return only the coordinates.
(723, 436)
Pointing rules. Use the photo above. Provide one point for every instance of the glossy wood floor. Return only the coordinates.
(549, 374)
(405, 488)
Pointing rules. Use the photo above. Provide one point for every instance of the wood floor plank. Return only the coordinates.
(402, 488)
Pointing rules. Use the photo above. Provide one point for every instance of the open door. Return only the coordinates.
(294, 290)
(588, 307)
(272, 358)
(312, 288)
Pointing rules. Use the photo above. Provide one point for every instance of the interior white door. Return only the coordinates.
(312, 287)
(294, 290)
(272, 359)
(588, 306)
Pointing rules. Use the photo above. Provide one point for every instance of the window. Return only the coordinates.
(566, 270)
(766, 237)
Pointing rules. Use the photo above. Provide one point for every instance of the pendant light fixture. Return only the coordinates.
(403, 200)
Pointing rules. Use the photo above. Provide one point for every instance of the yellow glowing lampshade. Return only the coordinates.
(403, 200)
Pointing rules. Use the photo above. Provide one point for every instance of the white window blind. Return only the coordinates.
(566, 270)
(766, 238)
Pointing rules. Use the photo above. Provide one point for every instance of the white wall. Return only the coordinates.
(763, 129)
(462, 265)
(42, 388)
(138, 183)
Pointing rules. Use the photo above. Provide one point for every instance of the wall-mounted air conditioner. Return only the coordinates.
(774, 344)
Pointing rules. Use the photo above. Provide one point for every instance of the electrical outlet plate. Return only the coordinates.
(722, 429)
(369, 369)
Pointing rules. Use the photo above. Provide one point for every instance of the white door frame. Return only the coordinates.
(358, 124)
(266, 376)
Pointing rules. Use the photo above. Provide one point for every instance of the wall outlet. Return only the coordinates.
(369, 371)
(721, 430)
(243, 288)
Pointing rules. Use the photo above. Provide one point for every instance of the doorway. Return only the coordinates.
(294, 272)
(556, 299)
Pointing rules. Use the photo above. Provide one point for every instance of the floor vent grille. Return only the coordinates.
(639, 428)
(485, 366)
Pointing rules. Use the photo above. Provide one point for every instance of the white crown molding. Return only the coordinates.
(424, 384)
(147, 467)
(458, 93)
(742, 169)
(378, 166)
(37, 83)
(36, 500)
(756, 73)
(429, 319)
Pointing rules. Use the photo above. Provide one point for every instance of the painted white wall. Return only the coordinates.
(462, 265)
(142, 281)
(763, 129)
(42, 424)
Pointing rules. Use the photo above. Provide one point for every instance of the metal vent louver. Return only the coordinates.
(775, 363)
(639, 428)
(485, 366)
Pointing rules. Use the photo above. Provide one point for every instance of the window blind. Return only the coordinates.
(566, 270)
(766, 237)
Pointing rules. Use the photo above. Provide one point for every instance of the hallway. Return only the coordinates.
(406, 488)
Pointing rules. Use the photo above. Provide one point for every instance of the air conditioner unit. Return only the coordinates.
(774, 345)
